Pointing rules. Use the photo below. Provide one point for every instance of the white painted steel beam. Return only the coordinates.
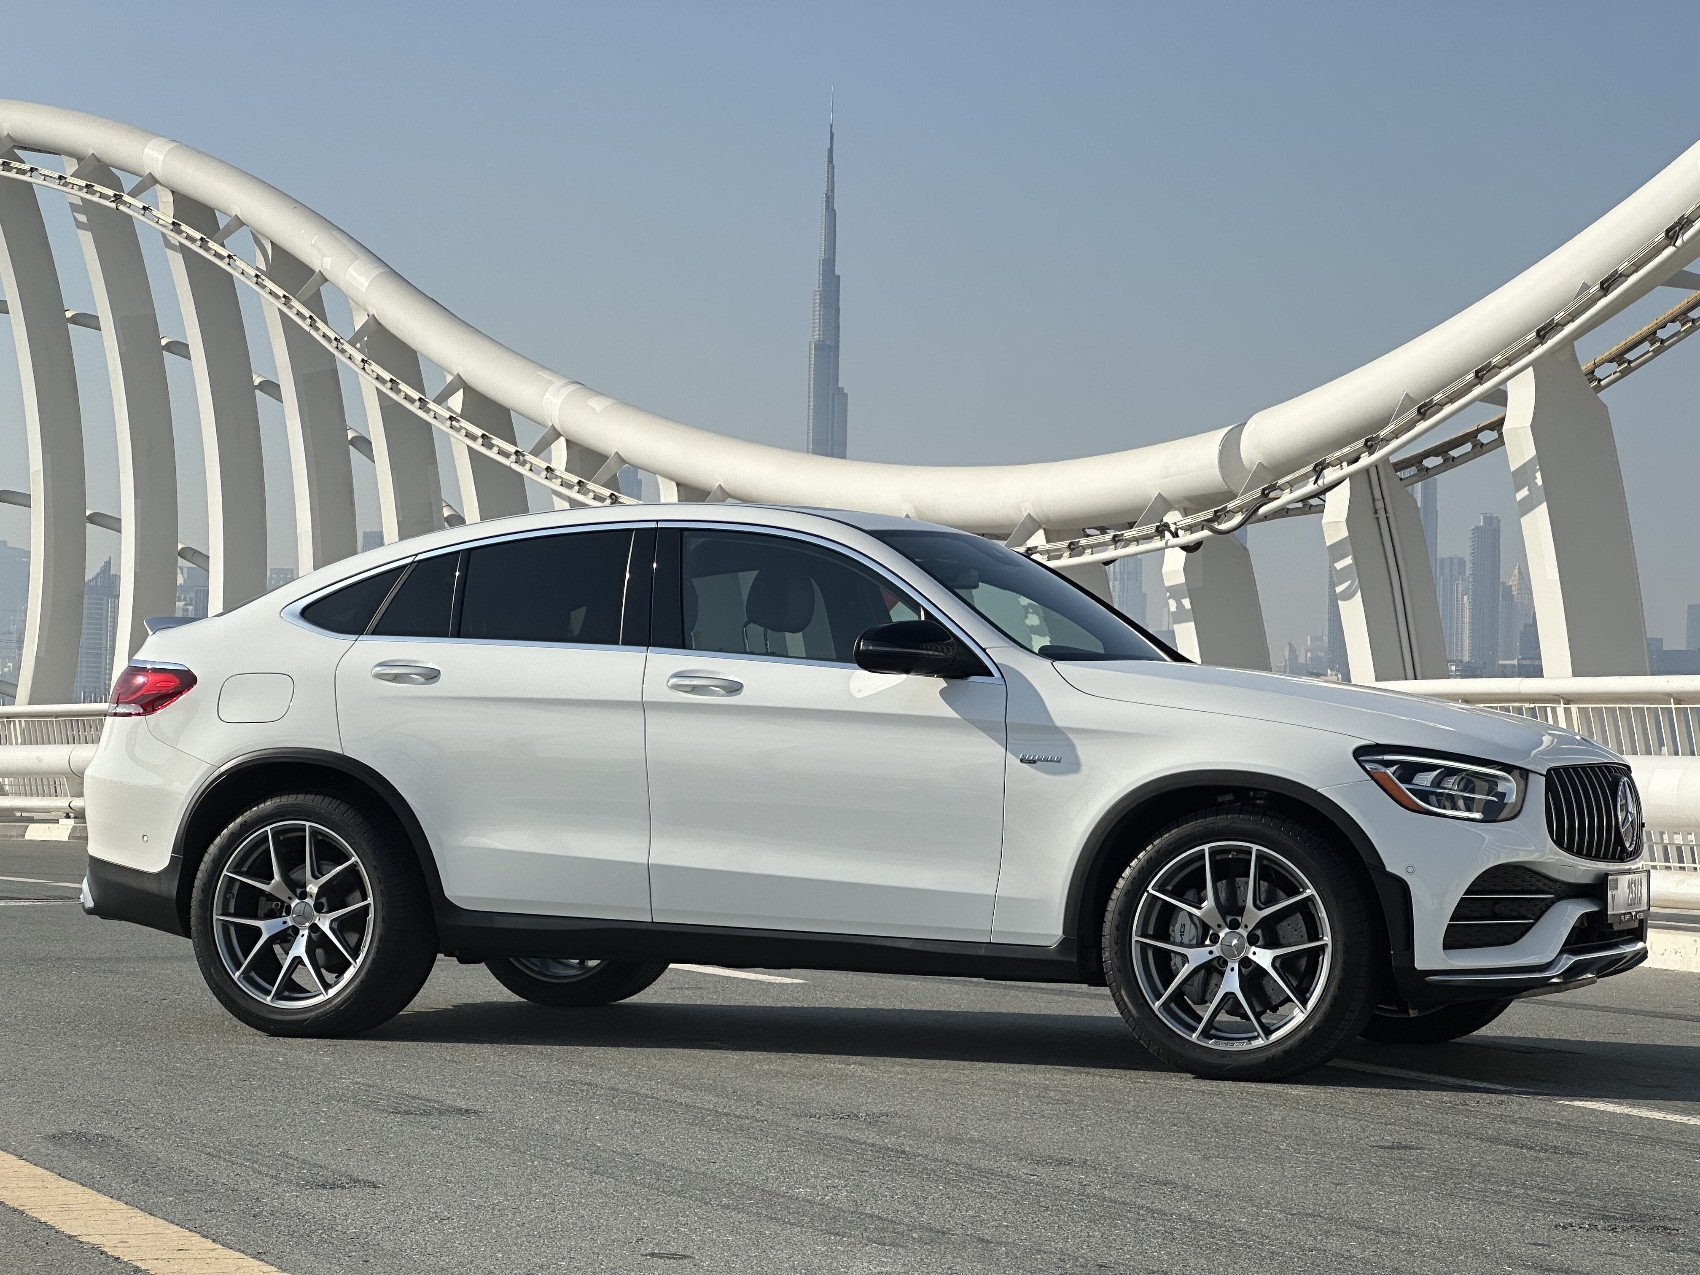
(141, 408)
(487, 490)
(1214, 607)
(315, 422)
(1575, 520)
(403, 447)
(216, 345)
(1190, 473)
(53, 430)
(1379, 564)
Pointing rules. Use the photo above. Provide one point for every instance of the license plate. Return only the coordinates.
(1626, 895)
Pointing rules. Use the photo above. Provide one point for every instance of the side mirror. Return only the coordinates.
(921, 647)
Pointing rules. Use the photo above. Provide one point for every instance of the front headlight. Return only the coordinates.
(1447, 786)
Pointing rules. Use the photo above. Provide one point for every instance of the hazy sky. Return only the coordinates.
(1064, 228)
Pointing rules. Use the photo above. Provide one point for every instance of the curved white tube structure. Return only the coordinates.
(1068, 511)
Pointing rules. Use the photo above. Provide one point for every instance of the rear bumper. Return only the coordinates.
(118, 893)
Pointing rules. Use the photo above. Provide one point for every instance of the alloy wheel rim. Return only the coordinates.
(1231, 946)
(292, 915)
(556, 969)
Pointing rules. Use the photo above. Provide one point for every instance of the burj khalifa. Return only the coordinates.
(828, 404)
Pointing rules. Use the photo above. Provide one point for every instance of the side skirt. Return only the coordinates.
(474, 936)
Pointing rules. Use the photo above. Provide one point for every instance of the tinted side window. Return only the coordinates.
(770, 595)
(424, 605)
(569, 587)
(350, 609)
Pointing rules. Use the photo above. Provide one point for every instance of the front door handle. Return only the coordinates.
(404, 673)
(703, 684)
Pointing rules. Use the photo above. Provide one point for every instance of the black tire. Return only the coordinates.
(394, 947)
(563, 984)
(1326, 946)
(1435, 1026)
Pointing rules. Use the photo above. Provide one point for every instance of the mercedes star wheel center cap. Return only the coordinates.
(303, 913)
(1233, 945)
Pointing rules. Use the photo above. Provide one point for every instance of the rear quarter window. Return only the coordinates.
(349, 610)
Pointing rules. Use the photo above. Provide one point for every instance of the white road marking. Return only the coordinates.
(139, 1239)
(749, 974)
(1459, 1082)
(31, 903)
(1619, 1109)
(69, 885)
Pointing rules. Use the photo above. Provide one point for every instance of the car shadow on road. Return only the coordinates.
(1034, 1040)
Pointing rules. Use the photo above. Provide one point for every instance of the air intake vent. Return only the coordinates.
(1584, 809)
(1503, 904)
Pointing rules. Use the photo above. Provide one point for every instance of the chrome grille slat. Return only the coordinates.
(1581, 812)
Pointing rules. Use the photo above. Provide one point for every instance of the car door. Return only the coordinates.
(791, 790)
(499, 690)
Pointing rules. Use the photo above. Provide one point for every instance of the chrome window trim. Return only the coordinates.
(292, 612)
(879, 569)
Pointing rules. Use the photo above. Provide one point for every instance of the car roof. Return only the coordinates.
(797, 518)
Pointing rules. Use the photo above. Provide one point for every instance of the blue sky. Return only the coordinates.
(1064, 228)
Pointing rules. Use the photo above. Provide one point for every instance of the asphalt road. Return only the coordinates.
(841, 1123)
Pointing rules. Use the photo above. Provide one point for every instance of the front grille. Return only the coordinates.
(1582, 812)
(1503, 904)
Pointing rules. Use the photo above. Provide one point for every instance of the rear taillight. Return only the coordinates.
(146, 688)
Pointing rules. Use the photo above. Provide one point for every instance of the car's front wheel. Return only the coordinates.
(309, 918)
(565, 983)
(1239, 944)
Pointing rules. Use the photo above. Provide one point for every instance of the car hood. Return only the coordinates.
(1367, 713)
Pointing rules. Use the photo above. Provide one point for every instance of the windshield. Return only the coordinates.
(1033, 605)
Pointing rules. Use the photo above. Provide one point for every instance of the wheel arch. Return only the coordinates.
(243, 781)
(1119, 834)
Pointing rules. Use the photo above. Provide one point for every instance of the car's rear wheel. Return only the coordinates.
(1241, 945)
(309, 918)
(565, 983)
(1435, 1026)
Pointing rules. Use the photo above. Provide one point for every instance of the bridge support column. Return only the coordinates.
(230, 419)
(1214, 607)
(53, 430)
(674, 492)
(141, 409)
(487, 489)
(1575, 520)
(316, 423)
(404, 447)
(1379, 562)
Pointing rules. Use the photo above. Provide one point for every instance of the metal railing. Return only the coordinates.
(44, 750)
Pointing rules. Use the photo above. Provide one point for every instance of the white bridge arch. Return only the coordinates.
(1346, 449)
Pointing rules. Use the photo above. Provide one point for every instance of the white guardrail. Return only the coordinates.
(1653, 721)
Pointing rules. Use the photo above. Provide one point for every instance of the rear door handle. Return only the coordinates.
(405, 674)
(703, 684)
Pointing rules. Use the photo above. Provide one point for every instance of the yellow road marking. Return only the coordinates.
(128, 1234)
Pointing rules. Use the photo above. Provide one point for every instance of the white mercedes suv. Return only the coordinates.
(578, 746)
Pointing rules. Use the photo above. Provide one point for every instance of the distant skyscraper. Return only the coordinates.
(1485, 585)
(1428, 497)
(1694, 626)
(277, 577)
(829, 406)
(371, 540)
(1127, 587)
(99, 636)
(1337, 662)
(1452, 584)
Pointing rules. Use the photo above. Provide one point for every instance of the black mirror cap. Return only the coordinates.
(924, 648)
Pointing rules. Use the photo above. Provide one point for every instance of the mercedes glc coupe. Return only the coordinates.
(577, 746)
